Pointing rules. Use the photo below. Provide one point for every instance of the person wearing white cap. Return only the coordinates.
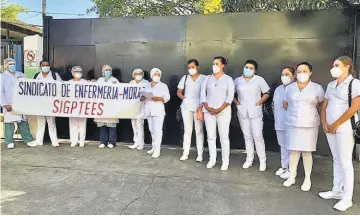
(8, 79)
(189, 91)
(46, 75)
(155, 110)
(138, 122)
(77, 126)
(217, 94)
(107, 126)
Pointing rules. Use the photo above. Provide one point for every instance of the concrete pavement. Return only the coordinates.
(64, 180)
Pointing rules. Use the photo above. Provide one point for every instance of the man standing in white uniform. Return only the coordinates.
(46, 75)
(217, 94)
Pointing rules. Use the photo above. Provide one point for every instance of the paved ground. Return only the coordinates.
(89, 180)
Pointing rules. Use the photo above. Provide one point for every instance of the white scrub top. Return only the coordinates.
(7, 93)
(49, 77)
(111, 80)
(302, 105)
(146, 84)
(81, 80)
(279, 111)
(191, 100)
(249, 92)
(339, 103)
(157, 108)
(215, 92)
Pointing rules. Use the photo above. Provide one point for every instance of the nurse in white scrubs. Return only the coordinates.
(287, 77)
(335, 116)
(138, 122)
(189, 106)
(302, 100)
(252, 92)
(155, 110)
(77, 126)
(217, 94)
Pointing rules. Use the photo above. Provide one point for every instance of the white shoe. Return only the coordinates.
(140, 148)
(330, 195)
(224, 166)
(285, 175)
(72, 145)
(247, 164)
(289, 182)
(155, 154)
(280, 171)
(110, 146)
(343, 205)
(184, 158)
(82, 145)
(199, 159)
(39, 143)
(306, 185)
(210, 165)
(133, 146)
(10, 145)
(151, 151)
(32, 144)
(55, 145)
(262, 167)
(102, 145)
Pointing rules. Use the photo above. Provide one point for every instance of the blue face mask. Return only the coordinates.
(12, 68)
(107, 73)
(248, 72)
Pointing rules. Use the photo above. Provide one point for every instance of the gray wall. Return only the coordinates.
(273, 39)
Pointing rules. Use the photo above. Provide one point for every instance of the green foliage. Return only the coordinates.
(10, 11)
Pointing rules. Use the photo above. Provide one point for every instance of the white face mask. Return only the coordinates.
(216, 69)
(302, 77)
(78, 75)
(192, 71)
(285, 80)
(156, 78)
(138, 77)
(45, 69)
(335, 72)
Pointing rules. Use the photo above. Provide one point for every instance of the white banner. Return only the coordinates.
(76, 99)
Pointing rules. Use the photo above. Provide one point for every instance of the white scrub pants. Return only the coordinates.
(138, 130)
(222, 120)
(188, 119)
(285, 153)
(342, 146)
(41, 120)
(156, 130)
(253, 132)
(77, 128)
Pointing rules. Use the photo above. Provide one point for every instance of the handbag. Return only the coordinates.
(178, 111)
(355, 125)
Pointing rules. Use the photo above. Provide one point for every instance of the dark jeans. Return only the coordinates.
(108, 138)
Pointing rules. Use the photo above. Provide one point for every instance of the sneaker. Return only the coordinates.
(155, 154)
(102, 145)
(72, 145)
(151, 151)
(199, 159)
(140, 148)
(184, 158)
(343, 205)
(39, 143)
(10, 145)
(133, 146)
(280, 171)
(210, 165)
(110, 146)
(247, 164)
(306, 185)
(285, 175)
(262, 167)
(330, 195)
(289, 182)
(32, 144)
(224, 166)
(55, 145)
(82, 145)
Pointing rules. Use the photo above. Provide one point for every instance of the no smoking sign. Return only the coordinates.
(30, 58)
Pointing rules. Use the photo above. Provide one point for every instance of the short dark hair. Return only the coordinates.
(44, 61)
(193, 61)
(291, 69)
(253, 62)
(222, 59)
(305, 63)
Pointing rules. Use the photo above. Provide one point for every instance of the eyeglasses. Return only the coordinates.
(77, 71)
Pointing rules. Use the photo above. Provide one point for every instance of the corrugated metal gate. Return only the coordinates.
(274, 39)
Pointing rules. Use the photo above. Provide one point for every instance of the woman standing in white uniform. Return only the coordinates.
(46, 75)
(302, 99)
(335, 116)
(155, 110)
(77, 126)
(217, 94)
(191, 103)
(138, 122)
(287, 77)
(249, 88)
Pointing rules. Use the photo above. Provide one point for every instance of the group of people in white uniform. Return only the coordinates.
(297, 104)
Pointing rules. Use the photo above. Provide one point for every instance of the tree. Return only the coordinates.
(10, 11)
(212, 6)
